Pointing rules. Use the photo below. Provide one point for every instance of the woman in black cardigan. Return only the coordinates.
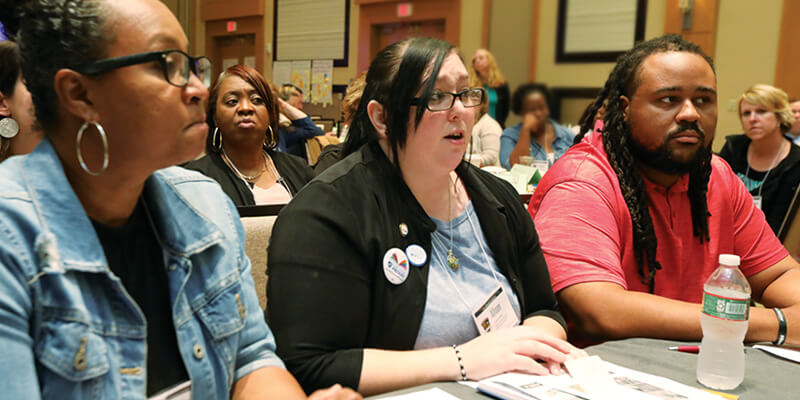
(240, 152)
(376, 290)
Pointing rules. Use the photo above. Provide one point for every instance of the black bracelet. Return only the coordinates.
(781, 327)
(460, 364)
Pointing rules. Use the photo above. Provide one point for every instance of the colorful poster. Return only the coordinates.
(321, 82)
(301, 74)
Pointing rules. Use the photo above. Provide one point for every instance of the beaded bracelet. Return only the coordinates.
(781, 327)
(460, 364)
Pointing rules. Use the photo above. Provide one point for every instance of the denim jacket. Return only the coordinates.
(68, 328)
(510, 136)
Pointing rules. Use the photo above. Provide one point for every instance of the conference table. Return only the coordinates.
(766, 376)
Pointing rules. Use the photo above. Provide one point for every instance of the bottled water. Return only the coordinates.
(726, 308)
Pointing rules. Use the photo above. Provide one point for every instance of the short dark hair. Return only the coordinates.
(524, 91)
(394, 77)
(9, 67)
(257, 81)
(623, 81)
(56, 34)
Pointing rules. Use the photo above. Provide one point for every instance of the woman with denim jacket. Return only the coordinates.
(412, 242)
(121, 276)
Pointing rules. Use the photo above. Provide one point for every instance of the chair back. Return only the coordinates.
(315, 144)
(789, 232)
(257, 230)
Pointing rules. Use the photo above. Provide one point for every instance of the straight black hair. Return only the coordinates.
(394, 78)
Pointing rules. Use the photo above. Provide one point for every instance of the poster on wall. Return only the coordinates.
(301, 74)
(321, 82)
(281, 72)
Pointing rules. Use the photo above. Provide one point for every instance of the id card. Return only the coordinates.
(757, 200)
(495, 312)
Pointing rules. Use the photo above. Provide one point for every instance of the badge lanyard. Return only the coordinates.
(757, 198)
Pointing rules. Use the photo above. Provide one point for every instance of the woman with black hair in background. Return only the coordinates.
(17, 131)
(417, 240)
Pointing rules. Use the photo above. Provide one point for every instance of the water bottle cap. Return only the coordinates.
(729, 260)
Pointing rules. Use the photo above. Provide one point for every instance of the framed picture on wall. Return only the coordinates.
(598, 31)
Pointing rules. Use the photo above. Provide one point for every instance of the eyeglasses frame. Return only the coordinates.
(418, 100)
(108, 64)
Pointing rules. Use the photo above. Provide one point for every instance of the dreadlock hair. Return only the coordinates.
(623, 81)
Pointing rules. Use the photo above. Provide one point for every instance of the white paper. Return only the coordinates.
(782, 352)
(281, 72)
(321, 82)
(250, 61)
(428, 394)
(229, 62)
(301, 74)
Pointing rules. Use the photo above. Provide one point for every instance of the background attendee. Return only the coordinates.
(537, 135)
(638, 215)
(484, 72)
(794, 132)
(17, 130)
(331, 154)
(295, 126)
(389, 281)
(484, 148)
(292, 95)
(763, 158)
(243, 135)
(120, 276)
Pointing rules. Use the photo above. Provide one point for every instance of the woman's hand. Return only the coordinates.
(520, 348)
(335, 392)
(530, 123)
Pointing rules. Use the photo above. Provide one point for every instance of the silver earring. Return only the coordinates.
(216, 140)
(103, 137)
(8, 128)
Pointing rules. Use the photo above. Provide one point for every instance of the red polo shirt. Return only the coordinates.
(586, 231)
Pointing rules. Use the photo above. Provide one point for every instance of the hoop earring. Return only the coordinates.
(8, 128)
(216, 140)
(270, 137)
(103, 137)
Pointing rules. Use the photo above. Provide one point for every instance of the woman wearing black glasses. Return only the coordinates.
(120, 275)
(420, 267)
(243, 136)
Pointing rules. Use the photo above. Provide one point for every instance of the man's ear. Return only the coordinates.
(4, 110)
(377, 117)
(73, 93)
(626, 107)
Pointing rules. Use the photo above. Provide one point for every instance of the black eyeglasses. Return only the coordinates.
(442, 101)
(176, 65)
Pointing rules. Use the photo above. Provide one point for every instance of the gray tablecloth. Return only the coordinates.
(766, 376)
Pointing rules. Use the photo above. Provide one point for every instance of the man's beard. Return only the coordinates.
(661, 159)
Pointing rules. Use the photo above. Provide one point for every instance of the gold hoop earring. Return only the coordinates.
(216, 140)
(103, 137)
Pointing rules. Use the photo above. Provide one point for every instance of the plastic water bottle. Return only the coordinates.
(726, 308)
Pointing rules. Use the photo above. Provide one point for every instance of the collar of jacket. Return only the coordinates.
(69, 239)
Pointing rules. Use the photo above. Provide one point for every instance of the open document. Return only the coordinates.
(627, 384)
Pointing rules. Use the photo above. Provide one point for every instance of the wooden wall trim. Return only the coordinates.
(786, 75)
(534, 40)
(229, 9)
(704, 23)
(487, 18)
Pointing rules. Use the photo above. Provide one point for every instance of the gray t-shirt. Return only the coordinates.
(447, 319)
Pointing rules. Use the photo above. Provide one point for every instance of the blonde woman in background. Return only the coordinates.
(484, 147)
(763, 158)
(484, 72)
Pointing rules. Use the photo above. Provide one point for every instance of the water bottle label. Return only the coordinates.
(726, 308)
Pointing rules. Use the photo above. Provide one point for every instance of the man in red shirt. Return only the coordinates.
(632, 220)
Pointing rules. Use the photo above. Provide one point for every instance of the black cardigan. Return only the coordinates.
(294, 171)
(328, 297)
(781, 183)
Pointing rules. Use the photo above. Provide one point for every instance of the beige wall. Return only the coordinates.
(747, 48)
(471, 28)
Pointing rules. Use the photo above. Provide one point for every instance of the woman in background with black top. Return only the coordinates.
(241, 150)
(379, 293)
(763, 158)
(485, 73)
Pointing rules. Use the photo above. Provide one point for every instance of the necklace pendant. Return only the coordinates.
(452, 260)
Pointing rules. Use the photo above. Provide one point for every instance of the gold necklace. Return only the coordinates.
(452, 260)
(249, 178)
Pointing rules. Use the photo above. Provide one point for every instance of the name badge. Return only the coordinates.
(495, 312)
(757, 200)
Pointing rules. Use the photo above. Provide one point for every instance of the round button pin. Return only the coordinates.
(416, 255)
(395, 266)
